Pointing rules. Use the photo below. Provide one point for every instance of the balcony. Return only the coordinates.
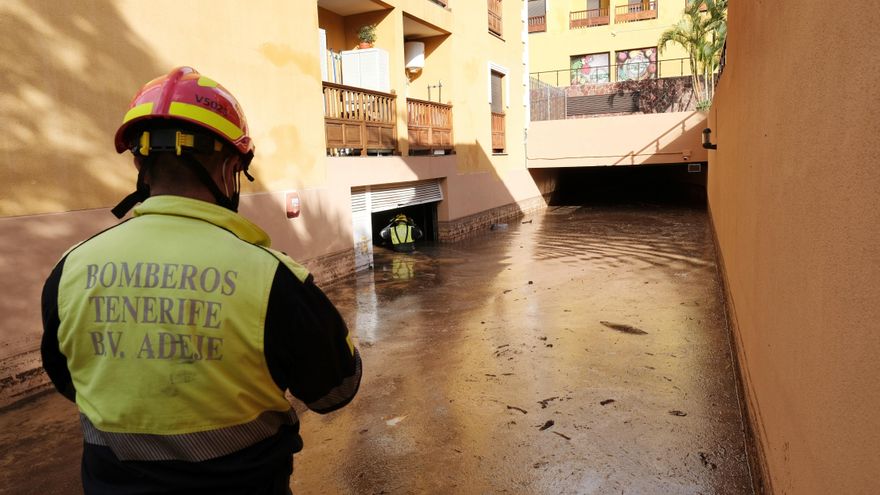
(429, 127)
(588, 18)
(359, 121)
(495, 17)
(636, 12)
(637, 86)
(537, 24)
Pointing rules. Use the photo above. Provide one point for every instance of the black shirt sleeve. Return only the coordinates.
(307, 344)
(54, 361)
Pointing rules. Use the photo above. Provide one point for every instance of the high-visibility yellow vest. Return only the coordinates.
(162, 320)
(401, 234)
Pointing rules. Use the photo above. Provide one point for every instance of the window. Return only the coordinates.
(537, 16)
(591, 68)
(496, 84)
(637, 64)
(495, 17)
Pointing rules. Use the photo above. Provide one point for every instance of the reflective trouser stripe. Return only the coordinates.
(191, 447)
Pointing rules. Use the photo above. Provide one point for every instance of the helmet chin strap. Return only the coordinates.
(221, 198)
(141, 193)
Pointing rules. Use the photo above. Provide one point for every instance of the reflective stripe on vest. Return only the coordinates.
(191, 447)
(401, 234)
(169, 342)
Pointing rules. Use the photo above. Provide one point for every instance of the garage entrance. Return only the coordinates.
(373, 207)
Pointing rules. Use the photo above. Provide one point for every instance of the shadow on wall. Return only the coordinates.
(67, 74)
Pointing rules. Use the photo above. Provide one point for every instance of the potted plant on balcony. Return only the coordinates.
(366, 36)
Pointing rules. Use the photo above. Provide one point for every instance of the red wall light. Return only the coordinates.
(291, 201)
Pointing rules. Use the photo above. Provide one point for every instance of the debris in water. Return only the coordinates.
(704, 458)
(527, 221)
(530, 282)
(676, 412)
(518, 409)
(546, 401)
(561, 435)
(394, 421)
(508, 290)
(606, 402)
(624, 328)
(548, 424)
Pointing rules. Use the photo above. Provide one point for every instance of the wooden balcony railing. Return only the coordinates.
(359, 119)
(495, 16)
(537, 23)
(429, 125)
(588, 18)
(645, 10)
(498, 132)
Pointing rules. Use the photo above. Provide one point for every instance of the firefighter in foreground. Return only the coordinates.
(402, 232)
(178, 331)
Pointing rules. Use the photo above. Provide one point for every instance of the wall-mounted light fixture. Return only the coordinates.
(707, 140)
(414, 53)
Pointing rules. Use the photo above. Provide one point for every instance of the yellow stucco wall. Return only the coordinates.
(77, 64)
(795, 199)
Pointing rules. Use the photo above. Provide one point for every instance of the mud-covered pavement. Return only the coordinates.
(581, 350)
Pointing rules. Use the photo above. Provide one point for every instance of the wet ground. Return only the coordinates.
(581, 350)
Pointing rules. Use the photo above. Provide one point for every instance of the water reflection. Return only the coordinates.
(471, 348)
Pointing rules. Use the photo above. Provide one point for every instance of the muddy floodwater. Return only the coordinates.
(579, 350)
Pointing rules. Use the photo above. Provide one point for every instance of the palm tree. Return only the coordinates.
(702, 34)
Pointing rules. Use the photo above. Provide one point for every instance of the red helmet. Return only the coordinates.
(185, 95)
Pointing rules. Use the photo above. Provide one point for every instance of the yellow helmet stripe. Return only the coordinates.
(138, 111)
(199, 114)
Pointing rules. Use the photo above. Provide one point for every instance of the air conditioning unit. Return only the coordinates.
(366, 68)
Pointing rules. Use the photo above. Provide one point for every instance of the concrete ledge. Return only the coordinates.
(462, 228)
(331, 267)
(22, 376)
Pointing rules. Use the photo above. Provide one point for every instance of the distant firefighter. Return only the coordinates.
(402, 232)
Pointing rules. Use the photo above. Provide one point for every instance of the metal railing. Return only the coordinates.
(627, 71)
(359, 119)
(495, 16)
(429, 125)
(588, 18)
(633, 12)
(537, 23)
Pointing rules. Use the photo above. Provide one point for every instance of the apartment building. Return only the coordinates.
(429, 121)
(603, 40)
(602, 93)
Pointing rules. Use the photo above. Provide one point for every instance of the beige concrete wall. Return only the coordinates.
(70, 68)
(623, 140)
(552, 50)
(794, 194)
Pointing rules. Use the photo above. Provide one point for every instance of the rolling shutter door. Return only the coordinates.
(362, 228)
(390, 197)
